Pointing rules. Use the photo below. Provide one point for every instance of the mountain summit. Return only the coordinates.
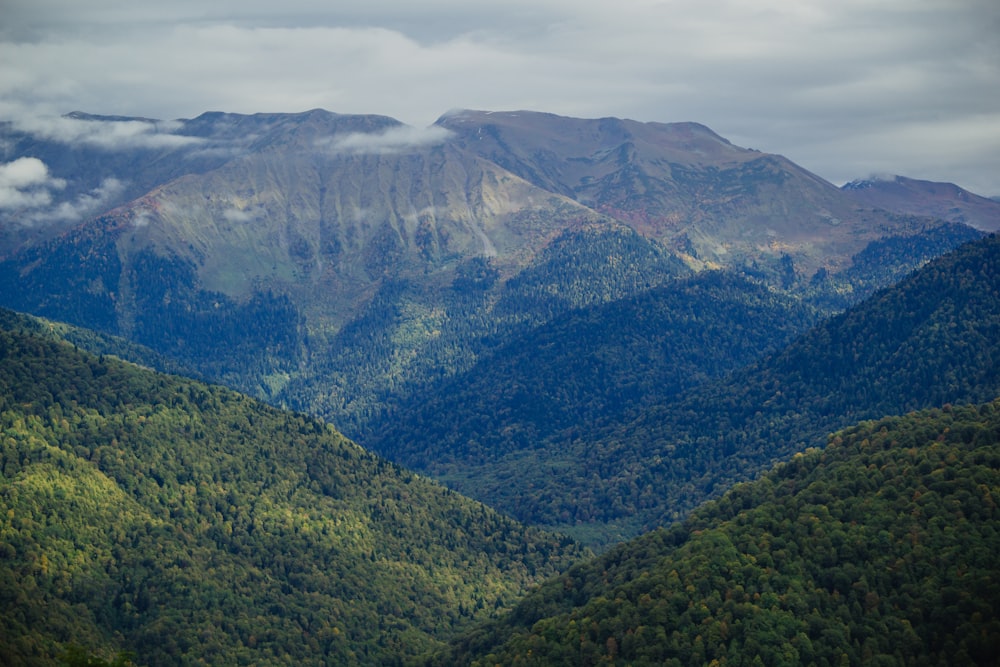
(946, 201)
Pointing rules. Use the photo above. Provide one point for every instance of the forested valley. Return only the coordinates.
(495, 435)
(881, 548)
(184, 522)
(542, 391)
(152, 516)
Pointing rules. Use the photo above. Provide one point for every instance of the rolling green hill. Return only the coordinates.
(881, 549)
(186, 523)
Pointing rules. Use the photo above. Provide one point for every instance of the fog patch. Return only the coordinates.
(106, 134)
(401, 139)
(26, 183)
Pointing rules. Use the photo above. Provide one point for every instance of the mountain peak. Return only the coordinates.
(912, 196)
(83, 115)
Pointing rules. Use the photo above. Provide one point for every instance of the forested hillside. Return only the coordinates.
(185, 523)
(932, 339)
(410, 337)
(881, 549)
(589, 366)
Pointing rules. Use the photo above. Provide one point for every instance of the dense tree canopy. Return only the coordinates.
(177, 520)
(882, 548)
(599, 425)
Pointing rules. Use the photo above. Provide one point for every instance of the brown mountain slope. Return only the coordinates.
(681, 183)
(910, 196)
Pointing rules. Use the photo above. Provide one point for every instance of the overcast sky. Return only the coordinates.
(845, 88)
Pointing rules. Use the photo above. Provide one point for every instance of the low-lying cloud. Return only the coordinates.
(85, 204)
(28, 194)
(400, 139)
(106, 134)
(26, 183)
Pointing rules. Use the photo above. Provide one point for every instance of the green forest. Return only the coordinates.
(880, 549)
(183, 522)
(537, 391)
(159, 520)
(551, 431)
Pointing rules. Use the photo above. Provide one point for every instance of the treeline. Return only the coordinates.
(157, 302)
(881, 549)
(411, 336)
(588, 366)
(184, 522)
(414, 340)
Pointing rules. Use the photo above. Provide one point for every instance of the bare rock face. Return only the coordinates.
(716, 203)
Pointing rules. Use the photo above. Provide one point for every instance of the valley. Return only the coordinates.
(325, 388)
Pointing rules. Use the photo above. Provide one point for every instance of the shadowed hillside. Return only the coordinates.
(880, 549)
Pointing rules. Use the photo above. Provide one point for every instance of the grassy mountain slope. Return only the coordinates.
(880, 549)
(717, 203)
(930, 340)
(186, 522)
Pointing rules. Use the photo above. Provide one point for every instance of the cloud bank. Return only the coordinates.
(107, 134)
(843, 88)
(400, 139)
(27, 194)
(26, 183)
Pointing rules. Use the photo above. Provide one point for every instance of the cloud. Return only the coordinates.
(26, 183)
(27, 194)
(85, 204)
(243, 215)
(102, 133)
(399, 139)
(803, 79)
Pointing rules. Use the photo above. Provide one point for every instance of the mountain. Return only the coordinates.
(944, 201)
(185, 522)
(546, 432)
(337, 264)
(680, 183)
(85, 164)
(880, 548)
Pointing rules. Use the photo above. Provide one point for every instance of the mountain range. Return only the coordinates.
(591, 326)
(607, 453)
(252, 248)
(945, 201)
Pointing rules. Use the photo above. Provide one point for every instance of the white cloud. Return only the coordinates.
(802, 78)
(100, 133)
(27, 194)
(398, 139)
(26, 183)
(87, 203)
(241, 215)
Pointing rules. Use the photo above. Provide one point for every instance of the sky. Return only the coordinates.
(845, 88)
